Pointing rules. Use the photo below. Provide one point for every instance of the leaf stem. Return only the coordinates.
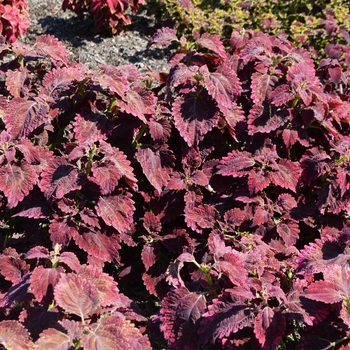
(135, 141)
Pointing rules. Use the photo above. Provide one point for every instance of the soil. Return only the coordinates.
(87, 45)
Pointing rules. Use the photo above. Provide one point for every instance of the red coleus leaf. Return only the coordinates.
(262, 85)
(201, 216)
(300, 308)
(138, 102)
(159, 129)
(23, 116)
(224, 318)
(76, 295)
(120, 162)
(213, 42)
(13, 335)
(106, 286)
(117, 211)
(290, 137)
(114, 332)
(53, 339)
(318, 255)
(149, 254)
(265, 118)
(62, 230)
(48, 45)
(15, 83)
(180, 312)
(162, 37)
(334, 288)
(102, 246)
(258, 180)
(71, 260)
(174, 277)
(289, 231)
(42, 282)
(281, 95)
(236, 163)
(12, 267)
(151, 223)
(286, 174)
(16, 181)
(106, 175)
(304, 82)
(232, 266)
(223, 85)
(59, 178)
(315, 162)
(194, 117)
(89, 128)
(156, 164)
(269, 326)
(113, 79)
(17, 292)
(59, 80)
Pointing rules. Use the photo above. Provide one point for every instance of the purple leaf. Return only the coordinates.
(223, 319)
(24, 116)
(53, 339)
(117, 211)
(15, 83)
(13, 335)
(59, 178)
(180, 313)
(48, 45)
(269, 326)
(113, 79)
(223, 85)
(236, 164)
(16, 181)
(76, 295)
(42, 282)
(156, 165)
(71, 260)
(149, 254)
(213, 42)
(114, 332)
(194, 117)
(286, 174)
(58, 80)
(12, 267)
(262, 85)
(106, 286)
(281, 95)
(162, 37)
(98, 245)
(159, 129)
(139, 103)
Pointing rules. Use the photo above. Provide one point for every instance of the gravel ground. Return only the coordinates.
(91, 47)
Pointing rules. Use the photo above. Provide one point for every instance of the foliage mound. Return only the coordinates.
(205, 207)
(308, 24)
(13, 19)
(109, 14)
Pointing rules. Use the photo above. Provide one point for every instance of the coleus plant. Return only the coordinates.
(14, 19)
(217, 191)
(110, 14)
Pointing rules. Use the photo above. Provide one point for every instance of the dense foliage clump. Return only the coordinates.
(201, 208)
(13, 19)
(308, 24)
